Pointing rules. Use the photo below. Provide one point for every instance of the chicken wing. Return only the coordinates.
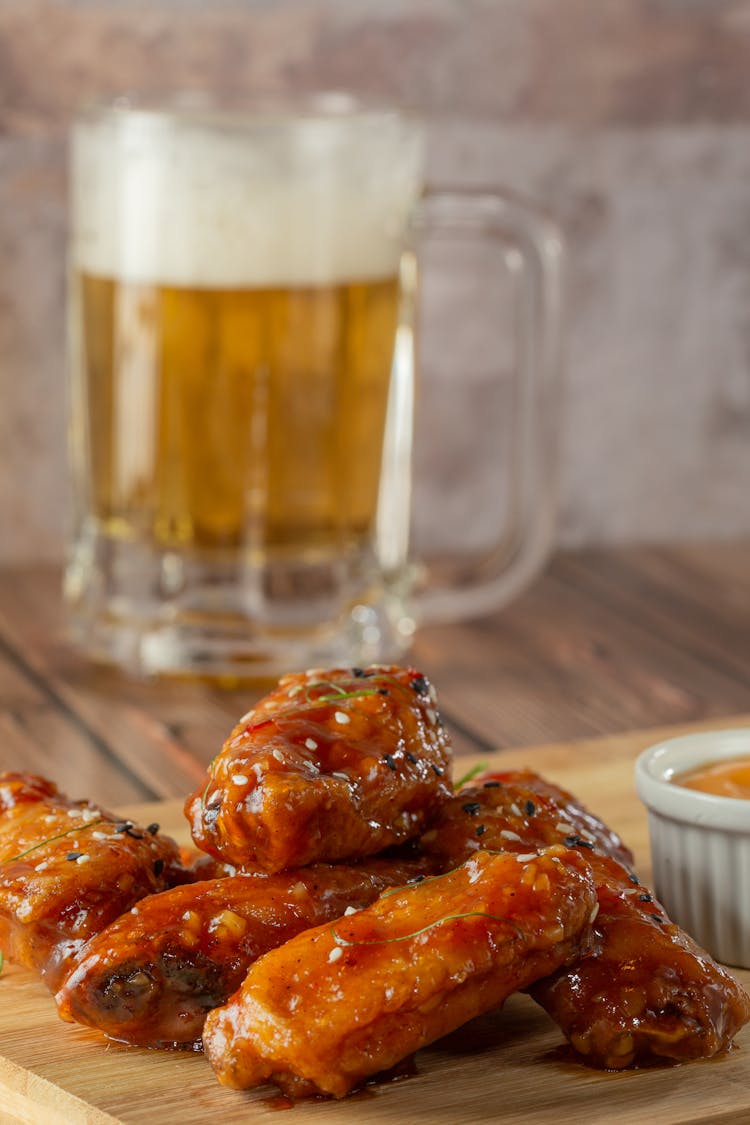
(152, 975)
(516, 809)
(642, 989)
(330, 766)
(68, 869)
(347, 1000)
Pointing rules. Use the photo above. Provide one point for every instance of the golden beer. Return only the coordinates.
(241, 476)
(229, 419)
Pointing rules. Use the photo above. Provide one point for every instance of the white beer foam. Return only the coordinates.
(299, 202)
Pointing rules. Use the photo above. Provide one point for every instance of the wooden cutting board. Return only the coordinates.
(509, 1066)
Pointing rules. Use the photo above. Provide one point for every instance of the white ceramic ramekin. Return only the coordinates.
(700, 844)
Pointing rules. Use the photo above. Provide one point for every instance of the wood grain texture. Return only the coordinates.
(506, 1066)
(605, 641)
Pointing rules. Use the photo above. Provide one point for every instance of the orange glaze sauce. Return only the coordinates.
(730, 778)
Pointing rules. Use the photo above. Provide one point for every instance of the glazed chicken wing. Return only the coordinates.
(330, 766)
(642, 988)
(152, 975)
(68, 869)
(516, 809)
(347, 1000)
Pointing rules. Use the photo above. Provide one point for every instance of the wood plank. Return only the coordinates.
(506, 1066)
(159, 733)
(700, 600)
(570, 659)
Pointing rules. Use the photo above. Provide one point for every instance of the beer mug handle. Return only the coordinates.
(533, 250)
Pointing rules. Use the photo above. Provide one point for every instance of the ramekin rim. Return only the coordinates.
(655, 770)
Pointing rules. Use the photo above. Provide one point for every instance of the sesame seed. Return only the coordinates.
(158, 867)
(563, 827)
(390, 761)
(508, 835)
(88, 815)
(339, 774)
(152, 829)
(420, 685)
(341, 717)
(239, 779)
(633, 878)
(530, 808)
(526, 856)
(83, 858)
(515, 809)
(645, 898)
(471, 807)
(278, 754)
(311, 744)
(335, 953)
(412, 758)
(349, 910)
(358, 673)
(492, 785)
(437, 769)
(480, 830)
(431, 715)
(99, 835)
(246, 716)
(594, 912)
(73, 856)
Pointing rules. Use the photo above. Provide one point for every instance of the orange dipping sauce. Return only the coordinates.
(730, 778)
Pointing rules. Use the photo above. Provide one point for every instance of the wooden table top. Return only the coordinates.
(605, 641)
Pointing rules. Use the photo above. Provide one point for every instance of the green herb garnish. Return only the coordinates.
(430, 926)
(472, 773)
(51, 839)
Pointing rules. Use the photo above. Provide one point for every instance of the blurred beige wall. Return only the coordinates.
(629, 119)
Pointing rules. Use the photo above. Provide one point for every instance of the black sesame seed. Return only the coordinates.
(471, 807)
(530, 808)
(358, 672)
(656, 917)
(411, 757)
(577, 842)
(634, 879)
(123, 825)
(390, 761)
(420, 685)
(153, 828)
(158, 866)
(132, 834)
(383, 691)
(645, 898)
(480, 830)
(437, 769)
(72, 856)
(492, 785)
(417, 879)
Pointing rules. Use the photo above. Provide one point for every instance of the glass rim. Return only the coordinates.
(202, 107)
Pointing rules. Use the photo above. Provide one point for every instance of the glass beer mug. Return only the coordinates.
(242, 388)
